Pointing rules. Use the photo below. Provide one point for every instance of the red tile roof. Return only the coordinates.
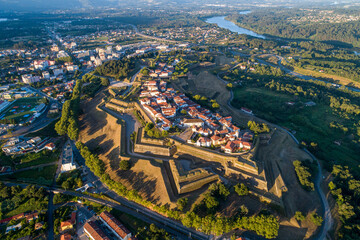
(65, 236)
(93, 229)
(115, 224)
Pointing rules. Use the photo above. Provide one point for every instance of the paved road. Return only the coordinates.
(138, 210)
(50, 214)
(327, 224)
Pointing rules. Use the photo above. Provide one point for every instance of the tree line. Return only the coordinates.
(69, 121)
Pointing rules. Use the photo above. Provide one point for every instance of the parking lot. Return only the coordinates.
(84, 214)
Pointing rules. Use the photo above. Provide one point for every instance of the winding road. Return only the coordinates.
(328, 221)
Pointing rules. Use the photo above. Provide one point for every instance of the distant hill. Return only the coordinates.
(43, 5)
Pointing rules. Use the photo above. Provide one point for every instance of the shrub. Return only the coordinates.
(304, 175)
(241, 189)
(124, 165)
(316, 219)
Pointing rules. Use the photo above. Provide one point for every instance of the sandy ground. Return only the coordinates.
(101, 133)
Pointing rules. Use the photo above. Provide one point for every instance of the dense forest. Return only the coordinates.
(116, 68)
(279, 22)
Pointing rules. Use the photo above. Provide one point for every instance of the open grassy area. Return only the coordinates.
(33, 159)
(131, 223)
(42, 175)
(312, 124)
(48, 131)
(337, 79)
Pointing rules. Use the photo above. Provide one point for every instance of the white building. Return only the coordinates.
(67, 163)
(46, 75)
(58, 72)
(29, 78)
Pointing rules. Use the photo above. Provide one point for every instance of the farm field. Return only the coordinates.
(21, 109)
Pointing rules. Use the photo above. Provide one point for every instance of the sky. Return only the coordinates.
(43, 5)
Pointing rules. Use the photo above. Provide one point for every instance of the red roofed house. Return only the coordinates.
(215, 140)
(203, 142)
(68, 224)
(169, 112)
(115, 226)
(93, 231)
(230, 147)
(50, 146)
(246, 110)
(65, 236)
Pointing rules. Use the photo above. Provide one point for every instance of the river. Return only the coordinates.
(223, 23)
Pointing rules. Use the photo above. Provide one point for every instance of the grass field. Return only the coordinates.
(335, 78)
(312, 124)
(42, 175)
(48, 131)
(33, 159)
(21, 109)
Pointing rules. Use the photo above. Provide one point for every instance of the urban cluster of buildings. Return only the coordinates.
(163, 70)
(27, 216)
(196, 34)
(22, 145)
(107, 225)
(17, 52)
(328, 16)
(11, 94)
(209, 129)
(58, 91)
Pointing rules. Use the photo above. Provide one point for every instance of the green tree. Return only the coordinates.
(241, 189)
(316, 219)
(215, 105)
(181, 203)
(299, 216)
(145, 71)
(211, 202)
(66, 185)
(105, 82)
(124, 165)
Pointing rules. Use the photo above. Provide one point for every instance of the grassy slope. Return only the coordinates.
(310, 123)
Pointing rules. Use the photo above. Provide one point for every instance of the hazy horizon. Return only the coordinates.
(49, 5)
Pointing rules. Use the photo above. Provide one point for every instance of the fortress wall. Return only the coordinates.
(203, 153)
(115, 107)
(154, 150)
(255, 181)
(279, 184)
(267, 198)
(206, 154)
(154, 141)
(192, 186)
(246, 167)
(193, 182)
(122, 103)
(142, 112)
